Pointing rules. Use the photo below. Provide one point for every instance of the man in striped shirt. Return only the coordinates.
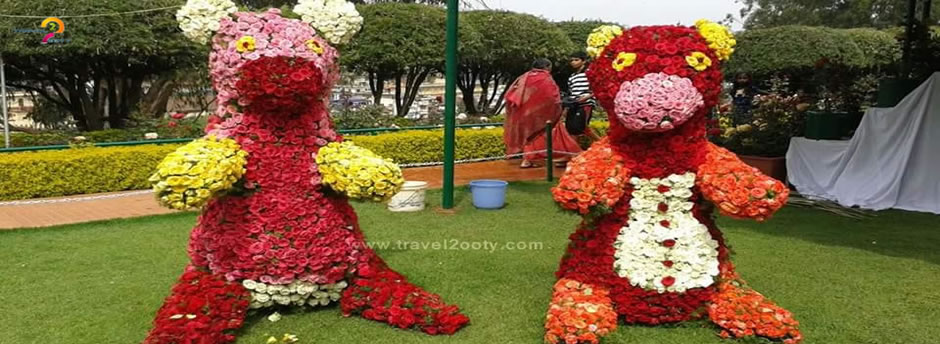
(579, 88)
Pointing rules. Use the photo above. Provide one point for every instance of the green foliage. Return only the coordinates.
(420, 146)
(396, 36)
(832, 13)
(775, 118)
(78, 171)
(114, 53)
(371, 116)
(186, 128)
(48, 114)
(509, 41)
(803, 48)
(506, 45)
(578, 30)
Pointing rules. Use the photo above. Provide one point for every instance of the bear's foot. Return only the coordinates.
(202, 308)
(379, 293)
(579, 313)
(742, 312)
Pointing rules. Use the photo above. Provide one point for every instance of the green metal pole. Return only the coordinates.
(549, 152)
(450, 103)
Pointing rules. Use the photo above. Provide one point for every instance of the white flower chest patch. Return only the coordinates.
(663, 247)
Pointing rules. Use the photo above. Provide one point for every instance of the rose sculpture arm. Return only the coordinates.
(594, 180)
(197, 172)
(738, 189)
(358, 172)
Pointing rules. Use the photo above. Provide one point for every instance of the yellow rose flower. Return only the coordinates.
(314, 46)
(699, 61)
(623, 61)
(245, 44)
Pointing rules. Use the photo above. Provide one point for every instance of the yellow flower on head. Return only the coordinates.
(699, 61)
(314, 46)
(623, 61)
(246, 43)
(719, 38)
(600, 38)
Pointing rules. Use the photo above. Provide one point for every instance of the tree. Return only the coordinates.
(98, 75)
(832, 65)
(578, 30)
(833, 13)
(504, 47)
(401, 43)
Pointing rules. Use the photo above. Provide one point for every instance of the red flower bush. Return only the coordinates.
(202, 308)
(385, 295)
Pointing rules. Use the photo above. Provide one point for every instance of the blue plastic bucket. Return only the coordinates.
(488, 194)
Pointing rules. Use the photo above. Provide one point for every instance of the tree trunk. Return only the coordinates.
(377, 86)
(406, 94)
(467, 83)
(154, 103)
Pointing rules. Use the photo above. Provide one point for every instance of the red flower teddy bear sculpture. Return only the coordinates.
(648, 249)
(273, 180)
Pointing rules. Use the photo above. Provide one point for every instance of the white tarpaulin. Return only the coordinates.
(893, 161)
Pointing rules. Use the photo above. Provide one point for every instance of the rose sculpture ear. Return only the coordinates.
(719, 38)
(335, 20)
(600, 38)
(199, 19)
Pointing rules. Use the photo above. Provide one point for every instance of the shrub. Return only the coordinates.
(78, 170)
(419, 146)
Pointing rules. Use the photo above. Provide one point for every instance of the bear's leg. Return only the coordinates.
(742, 312)
(377, 292)
(201, 308)
(579, 313)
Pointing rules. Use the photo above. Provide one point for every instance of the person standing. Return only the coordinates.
(584, 103)
(531, 101)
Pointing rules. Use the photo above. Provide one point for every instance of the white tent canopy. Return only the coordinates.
(893, 161)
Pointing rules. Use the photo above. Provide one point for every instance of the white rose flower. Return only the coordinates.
(200, 18)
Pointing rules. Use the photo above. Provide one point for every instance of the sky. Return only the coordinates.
(627, 12)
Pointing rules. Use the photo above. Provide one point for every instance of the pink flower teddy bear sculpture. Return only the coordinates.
(273, 179)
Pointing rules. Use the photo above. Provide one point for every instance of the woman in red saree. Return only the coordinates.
(531, 101)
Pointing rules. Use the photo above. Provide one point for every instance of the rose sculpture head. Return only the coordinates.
(654, 79)
(266, 62)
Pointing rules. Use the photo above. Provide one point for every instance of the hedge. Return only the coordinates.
(106, 169)
(787, 48)
(78, 170)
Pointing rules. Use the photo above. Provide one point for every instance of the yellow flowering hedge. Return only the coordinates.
(92, 170)
(417, 146)
(357, 172)
(78, 170)
(198, 171)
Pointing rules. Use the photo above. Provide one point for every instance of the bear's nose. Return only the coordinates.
(657, 102)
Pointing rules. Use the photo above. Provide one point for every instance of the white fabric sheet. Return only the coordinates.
(893, 161)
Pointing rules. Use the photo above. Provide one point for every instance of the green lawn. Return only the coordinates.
(847, 281)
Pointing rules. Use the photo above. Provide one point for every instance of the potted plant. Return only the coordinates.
(763, 140)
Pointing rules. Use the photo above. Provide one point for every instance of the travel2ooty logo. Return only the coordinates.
(50, 27)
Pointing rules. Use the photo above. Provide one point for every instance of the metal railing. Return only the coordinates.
(363, 131)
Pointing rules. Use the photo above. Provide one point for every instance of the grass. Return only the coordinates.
(847, 281)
